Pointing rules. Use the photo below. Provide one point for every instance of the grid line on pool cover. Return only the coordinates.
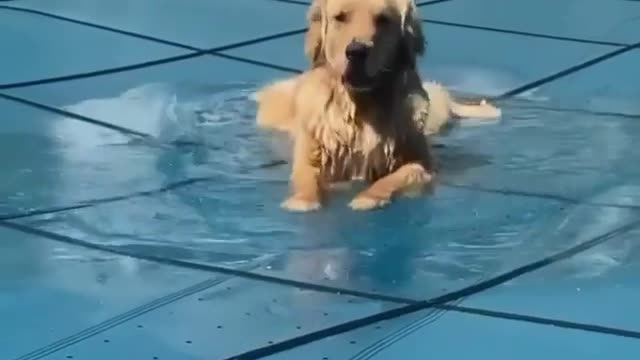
(629, 47)
(411, 307)
(200, 52)
(213, 51)
(216, 50)
(89, 203)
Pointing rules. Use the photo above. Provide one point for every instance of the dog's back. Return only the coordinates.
(434, 110)
(276, 105)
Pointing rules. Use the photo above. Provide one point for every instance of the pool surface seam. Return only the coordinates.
(215, 51)
(481, 312)
(493, 282)
(439, 302)
(122, 318)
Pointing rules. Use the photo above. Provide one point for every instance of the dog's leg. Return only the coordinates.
(409, 177)
(305, 177)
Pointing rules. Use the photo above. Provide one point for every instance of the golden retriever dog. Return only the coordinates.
(361, 111)
(435, 108)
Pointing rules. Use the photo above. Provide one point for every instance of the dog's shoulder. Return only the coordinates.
(313, 92)
(315, 83)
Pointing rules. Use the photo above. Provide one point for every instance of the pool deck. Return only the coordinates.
(139, 212)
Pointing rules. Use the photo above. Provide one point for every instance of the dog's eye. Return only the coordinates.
(382, 19)
(340, 17)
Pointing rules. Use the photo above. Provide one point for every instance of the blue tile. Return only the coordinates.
(204, 100)
(466, 60)
(198, 23)
(541, 180)
(539, 149)
(581, 288)
(215, 324)
(460, 336)
(286, 51)
(610, 86)
(446, 249)
(239, 207)
(36, 47)
(615, 21)
(50, 291)
(489, 64)
(437, 243)
(578, 159)
(366, 342)
(175, 102)
(50, 160)
(448, 240)
(152, 92)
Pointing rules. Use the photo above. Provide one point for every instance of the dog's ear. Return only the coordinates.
(412, 34)
(313, 47)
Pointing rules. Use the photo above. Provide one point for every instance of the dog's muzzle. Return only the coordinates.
(355, 76)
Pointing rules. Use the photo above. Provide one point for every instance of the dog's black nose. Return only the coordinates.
(357, 50)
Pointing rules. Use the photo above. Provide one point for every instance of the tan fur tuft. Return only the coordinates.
(276, 105)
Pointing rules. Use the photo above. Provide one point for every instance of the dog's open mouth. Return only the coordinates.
(355, 78)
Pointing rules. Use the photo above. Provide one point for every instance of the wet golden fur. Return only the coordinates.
(342, 132)
(434, 112)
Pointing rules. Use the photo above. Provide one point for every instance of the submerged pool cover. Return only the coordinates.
(139, 209)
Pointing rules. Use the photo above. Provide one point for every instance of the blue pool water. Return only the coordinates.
(139, 206)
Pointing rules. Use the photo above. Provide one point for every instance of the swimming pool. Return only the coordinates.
(140, 210)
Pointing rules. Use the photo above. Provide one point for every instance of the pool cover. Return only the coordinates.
(139, 208)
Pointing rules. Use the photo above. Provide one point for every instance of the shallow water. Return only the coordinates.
(164, 162)
(500, 202)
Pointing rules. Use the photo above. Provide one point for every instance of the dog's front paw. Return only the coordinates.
(300, 204)
(367, 202)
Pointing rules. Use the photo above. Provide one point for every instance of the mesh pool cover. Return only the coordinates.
(139, 208)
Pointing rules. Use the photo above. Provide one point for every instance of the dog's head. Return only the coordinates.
(363, 40)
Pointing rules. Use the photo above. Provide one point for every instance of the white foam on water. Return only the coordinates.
(98, 160)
